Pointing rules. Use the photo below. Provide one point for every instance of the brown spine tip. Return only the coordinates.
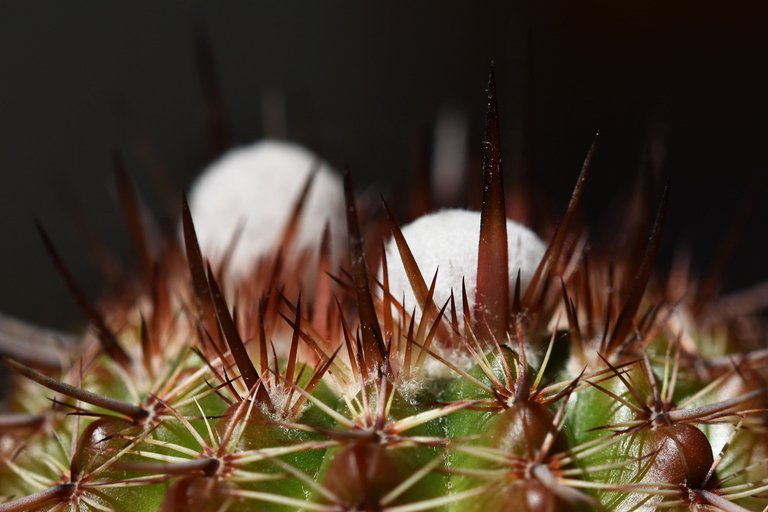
(293, 353)
(236, 346)
(625, 321)
(386, 296)
(106, 337)
(552, 256)
(294, 219)
(492, 293)
(130, 207)
(197, 271)
(373, 343)
(412, 271)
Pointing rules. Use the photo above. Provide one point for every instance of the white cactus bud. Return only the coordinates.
(254, 188)
(448, 239)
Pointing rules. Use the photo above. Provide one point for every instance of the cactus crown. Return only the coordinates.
(585, 384)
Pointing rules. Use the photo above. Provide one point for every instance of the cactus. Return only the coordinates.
(564, 380)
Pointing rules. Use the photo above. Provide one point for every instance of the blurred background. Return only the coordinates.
(362, 83)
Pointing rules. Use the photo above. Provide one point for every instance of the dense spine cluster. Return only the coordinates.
(588, 385)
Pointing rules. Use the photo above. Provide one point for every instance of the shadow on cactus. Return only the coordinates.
(477, 369)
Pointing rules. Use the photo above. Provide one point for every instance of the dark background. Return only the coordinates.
(362, 82)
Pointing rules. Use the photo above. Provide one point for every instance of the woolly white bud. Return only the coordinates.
(448, 239)
(254, 188)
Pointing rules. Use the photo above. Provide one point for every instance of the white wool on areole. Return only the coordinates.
(448, 239)
(254, 189)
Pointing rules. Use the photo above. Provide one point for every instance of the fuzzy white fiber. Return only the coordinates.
(448, 239)
(255, 188)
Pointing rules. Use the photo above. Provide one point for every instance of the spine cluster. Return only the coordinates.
(574, 381)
